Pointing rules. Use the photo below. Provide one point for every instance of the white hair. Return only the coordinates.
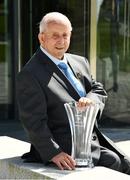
(54, 17)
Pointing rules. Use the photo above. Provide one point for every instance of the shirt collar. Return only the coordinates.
(55, 60)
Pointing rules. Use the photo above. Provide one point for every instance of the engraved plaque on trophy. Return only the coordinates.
(81, 122)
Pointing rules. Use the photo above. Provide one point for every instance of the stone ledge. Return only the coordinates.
(96, 173)
(12, 166)
(11, 147)
(124, 146)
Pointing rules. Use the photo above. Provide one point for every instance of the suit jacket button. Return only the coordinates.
(94, 138)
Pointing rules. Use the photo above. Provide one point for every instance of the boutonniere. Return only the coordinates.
(79, 75)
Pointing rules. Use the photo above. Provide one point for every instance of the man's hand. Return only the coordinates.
(64, 161)
(84, 101)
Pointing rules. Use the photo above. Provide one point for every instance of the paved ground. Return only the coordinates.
(117, 134)
(15, 129)
(12, 129)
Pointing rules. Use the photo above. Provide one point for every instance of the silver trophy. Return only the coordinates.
(81, 122)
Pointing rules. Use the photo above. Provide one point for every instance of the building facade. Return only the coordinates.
(101, 33)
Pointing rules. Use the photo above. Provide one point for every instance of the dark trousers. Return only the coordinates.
(110, 160)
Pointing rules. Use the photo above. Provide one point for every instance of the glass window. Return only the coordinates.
(6, 82)
(113, 59)
(78, 13)
(8, 58)
(16, 47)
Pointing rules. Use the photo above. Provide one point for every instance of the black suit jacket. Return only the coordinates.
(42, 90)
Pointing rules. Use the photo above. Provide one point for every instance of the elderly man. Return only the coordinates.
(43, 87)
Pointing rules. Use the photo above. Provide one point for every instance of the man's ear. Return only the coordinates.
(41, 38)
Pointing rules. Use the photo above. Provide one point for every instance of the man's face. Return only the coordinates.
(56, 39)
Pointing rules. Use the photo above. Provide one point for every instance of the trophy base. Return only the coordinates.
(84, 163)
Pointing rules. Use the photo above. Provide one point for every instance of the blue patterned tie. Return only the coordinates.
(70, 76)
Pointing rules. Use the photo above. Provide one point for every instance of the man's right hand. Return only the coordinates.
(64, 161)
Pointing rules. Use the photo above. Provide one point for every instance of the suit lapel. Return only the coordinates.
(75, 68)
(57, 74)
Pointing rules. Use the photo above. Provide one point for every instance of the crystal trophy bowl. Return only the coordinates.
(81, 122)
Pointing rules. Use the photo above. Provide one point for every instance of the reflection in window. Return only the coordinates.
(5, 62)
(113, 59)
